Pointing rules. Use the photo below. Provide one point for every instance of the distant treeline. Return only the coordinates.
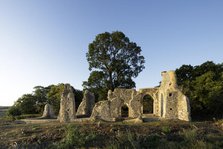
(34, 103)
(203, 84)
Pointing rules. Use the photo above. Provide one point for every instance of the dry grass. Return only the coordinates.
(111, 135)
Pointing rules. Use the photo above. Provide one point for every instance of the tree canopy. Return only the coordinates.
(203, 84)
(113, 61)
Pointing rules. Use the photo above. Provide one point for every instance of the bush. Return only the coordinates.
(126, 139)
(75, 138)
(14, 111)
(166, 129)
(150, 141)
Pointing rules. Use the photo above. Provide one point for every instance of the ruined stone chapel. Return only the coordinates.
(168, 102)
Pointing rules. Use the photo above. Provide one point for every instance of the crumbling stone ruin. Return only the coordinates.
(168, 102)
(111, 109)
(67, 111)
(86, 106)
(48, 111)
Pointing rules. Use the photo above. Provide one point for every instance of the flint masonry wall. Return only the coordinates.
(48, 111)
(168, 101)
(110, 110)
(86, 106)
(67, 111)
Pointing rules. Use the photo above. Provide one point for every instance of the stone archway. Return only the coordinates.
(147, 104)
(124, 111)
(151, 93)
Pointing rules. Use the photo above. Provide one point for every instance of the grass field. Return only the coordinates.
(160, 134)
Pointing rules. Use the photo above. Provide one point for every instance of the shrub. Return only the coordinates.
(166, 129)
(14, 111)
(75, 138)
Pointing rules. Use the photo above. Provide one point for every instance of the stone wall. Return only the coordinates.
(176, 104)
(67, 111)
(168, 101)
(48, 111)
(86, 106)
(110, 110)
(153, 92)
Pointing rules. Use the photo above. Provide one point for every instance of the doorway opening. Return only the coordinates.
(147, 104)
(124, 111)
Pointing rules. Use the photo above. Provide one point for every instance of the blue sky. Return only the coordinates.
(44, 42)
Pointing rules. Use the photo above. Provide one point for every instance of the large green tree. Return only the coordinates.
(113, 61)
(54, 95)
(203, 84)
(40, 96)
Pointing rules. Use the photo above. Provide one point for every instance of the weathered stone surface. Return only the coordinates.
(67, 111)
(168, 101)
(102, 111)
(111, 109)
(153, 92)
(48, 111)
(135, 105)
(87, 104)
